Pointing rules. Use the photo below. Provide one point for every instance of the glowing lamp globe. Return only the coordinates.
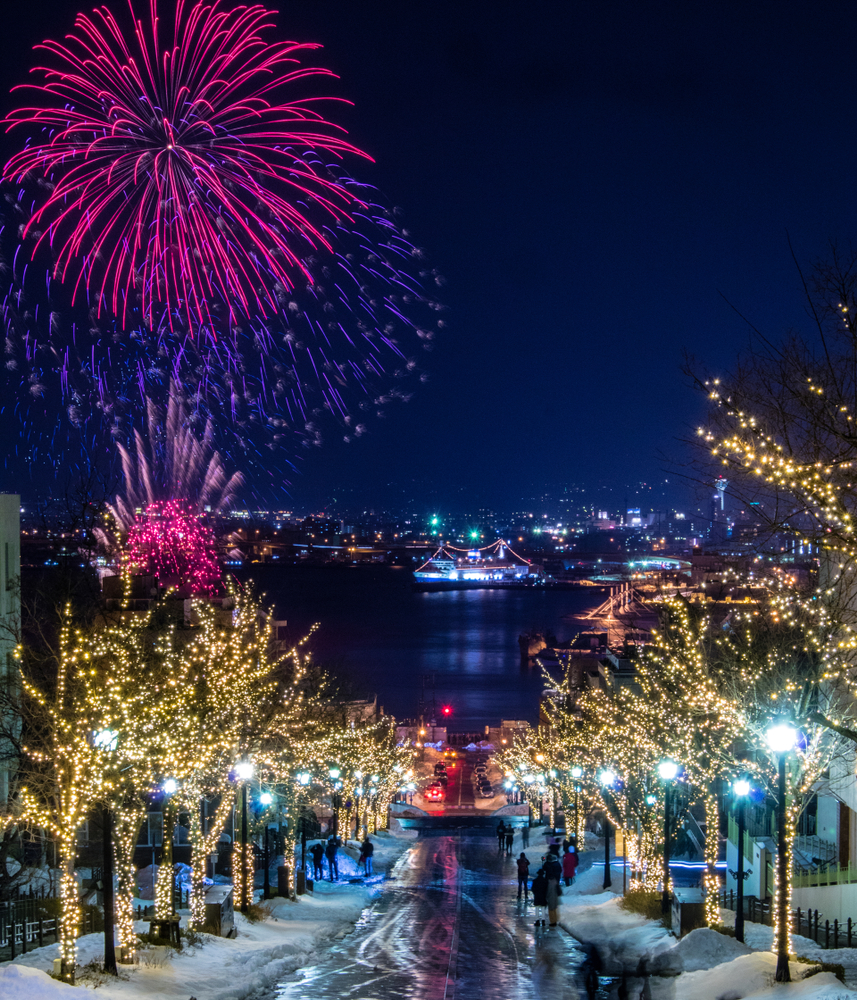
(266, 798)
(607, 778)
(667, 769)
(334, 772)
(244, 769)
(781, 737)
(741, 787)
(577, 772)
(303, 778)
(651, 800)
(170, 786)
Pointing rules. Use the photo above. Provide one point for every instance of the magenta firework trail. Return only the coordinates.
(185, 162)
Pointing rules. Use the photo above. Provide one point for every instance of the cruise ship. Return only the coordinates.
(496, 565)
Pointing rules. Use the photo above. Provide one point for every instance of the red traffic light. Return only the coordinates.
(447, 710)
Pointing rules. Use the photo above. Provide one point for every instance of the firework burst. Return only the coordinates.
(168, 541)
(184, 163)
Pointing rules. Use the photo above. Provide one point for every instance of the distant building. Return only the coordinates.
(10, 622)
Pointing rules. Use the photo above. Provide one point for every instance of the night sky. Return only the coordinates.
(592, 179)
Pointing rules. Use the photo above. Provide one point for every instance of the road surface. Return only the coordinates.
(447, 926)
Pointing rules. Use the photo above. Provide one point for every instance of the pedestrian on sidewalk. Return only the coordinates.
(501, 835)
(317, 854)
(569, 866)
(553, 874)
(510, 839)
(540, 896)
(367, 849)
(525, 834)
(523, 874)
(333, 843)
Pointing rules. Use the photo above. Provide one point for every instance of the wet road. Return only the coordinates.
(448, 926)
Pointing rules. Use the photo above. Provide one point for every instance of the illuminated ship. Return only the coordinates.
(495, 565)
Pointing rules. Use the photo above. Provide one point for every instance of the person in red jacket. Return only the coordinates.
(523, 874)
(569, 865)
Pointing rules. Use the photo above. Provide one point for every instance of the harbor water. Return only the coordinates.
(386, 637)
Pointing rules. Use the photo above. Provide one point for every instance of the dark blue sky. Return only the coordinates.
(589, 177)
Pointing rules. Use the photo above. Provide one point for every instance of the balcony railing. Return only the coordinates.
(825, 875)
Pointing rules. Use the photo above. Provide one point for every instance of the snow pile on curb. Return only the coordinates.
(753, 976)
(703, 948)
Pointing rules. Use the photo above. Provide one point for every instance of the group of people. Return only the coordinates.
(321, 851)
(506, 836)
(546, 886)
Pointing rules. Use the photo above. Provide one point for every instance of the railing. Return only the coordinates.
(807, 923)
(815, 847)
(23, 926)
(824, 875)
(733, 836)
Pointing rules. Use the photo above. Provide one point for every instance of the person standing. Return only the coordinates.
(569, 865)
(525, 834)
(540, 896)
(523, 874)
(330, 852)
(317, 855)
(510, 839)
(367, 849)
(553, 874)
(501, 835)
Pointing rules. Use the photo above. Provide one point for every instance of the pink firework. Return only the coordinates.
(183, 166)
(169, 541)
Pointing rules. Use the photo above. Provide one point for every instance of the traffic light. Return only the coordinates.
(447, 710)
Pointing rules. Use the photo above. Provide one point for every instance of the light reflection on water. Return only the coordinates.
(390, 635)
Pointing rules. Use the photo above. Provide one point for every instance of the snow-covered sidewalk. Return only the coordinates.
(220, 968)
(704, 965)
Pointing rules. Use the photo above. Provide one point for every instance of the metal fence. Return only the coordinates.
(24, 925)
(824, 875)
(807, 923)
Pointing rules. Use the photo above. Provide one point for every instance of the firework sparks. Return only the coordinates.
(168, 540)
(184, 164)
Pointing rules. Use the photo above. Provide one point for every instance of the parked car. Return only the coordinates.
(486, 792)
(440, 767)
(443, 779)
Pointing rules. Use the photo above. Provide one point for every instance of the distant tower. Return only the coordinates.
(719, 530)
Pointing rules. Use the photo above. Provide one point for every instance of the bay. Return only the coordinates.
(385, 636)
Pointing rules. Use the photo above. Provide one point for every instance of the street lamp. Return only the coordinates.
(244, 770)
(741, 789)
(781, 737)
(577, 774)
(266, 799)
(607, 779)
(667, 769)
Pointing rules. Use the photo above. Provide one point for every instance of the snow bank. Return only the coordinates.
(31, 984)
(701, 949)
(753, 976)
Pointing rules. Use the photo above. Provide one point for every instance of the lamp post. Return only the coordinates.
(781, 737)
(169, 788)
(667, 769)
(335, 797)
(244, 769)
(577, 774)
(607, 779)
(266, 799)
(741, 790)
